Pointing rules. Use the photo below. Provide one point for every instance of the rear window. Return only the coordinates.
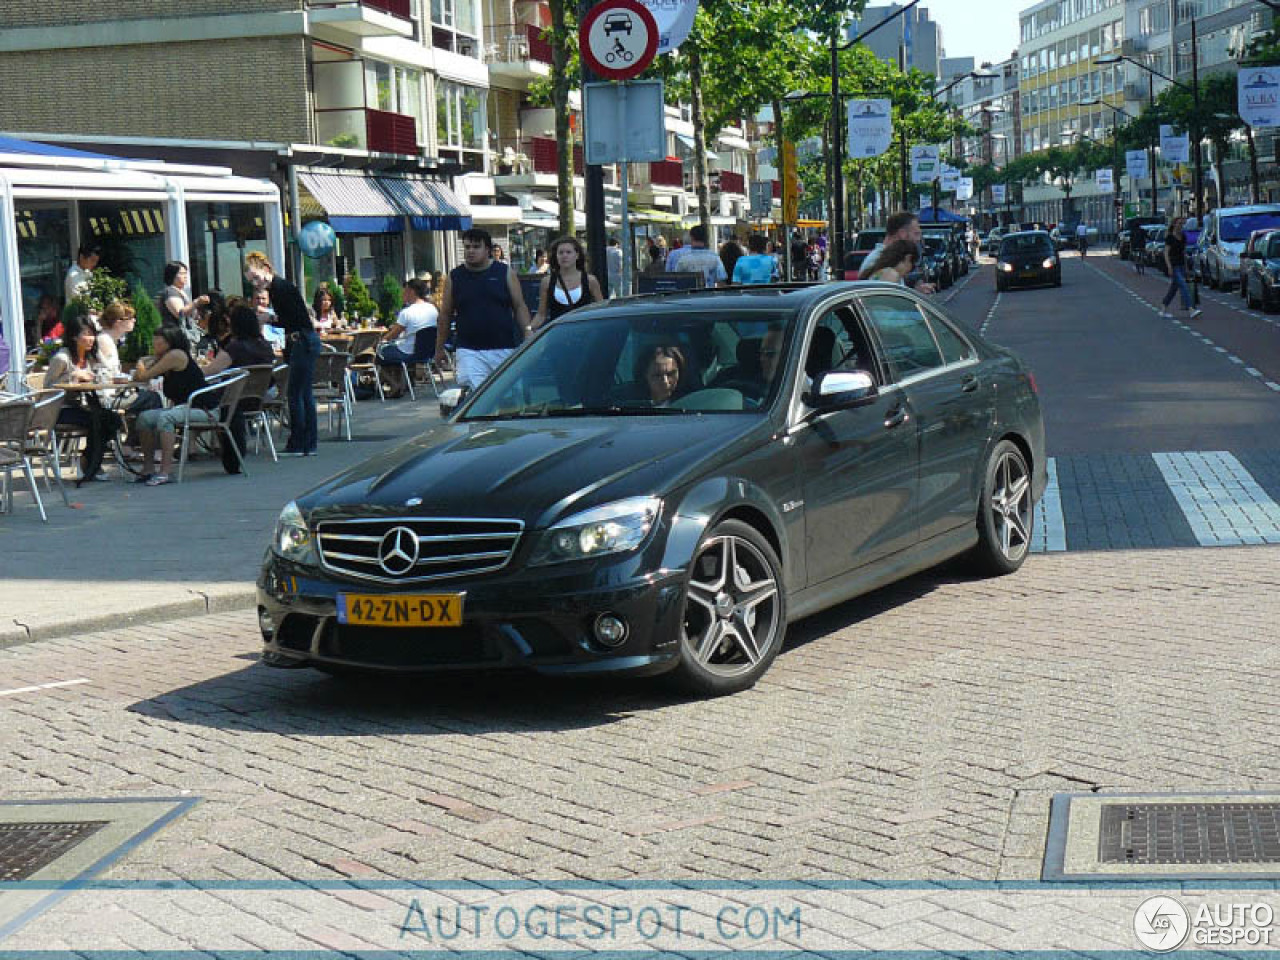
(1237, 229)
(1028, 243)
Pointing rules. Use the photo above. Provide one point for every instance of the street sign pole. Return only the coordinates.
(593, 185)
(627, 251)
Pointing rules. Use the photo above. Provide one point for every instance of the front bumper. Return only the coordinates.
(1030, 276)
(540, 620)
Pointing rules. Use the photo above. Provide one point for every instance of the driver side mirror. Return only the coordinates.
(841, 389)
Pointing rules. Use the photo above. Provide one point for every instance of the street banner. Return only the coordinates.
(790, 183)
(1105, 179)
(1135, 163)
(950, 178)
(924, 163)
(1258, 96)
(925, 200)
(674, 19)
(964, 188)
(1174, 148)
(998, 193)
(870, 128)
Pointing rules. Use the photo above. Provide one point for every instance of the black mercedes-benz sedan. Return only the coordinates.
(1027, 258)
(664, 483)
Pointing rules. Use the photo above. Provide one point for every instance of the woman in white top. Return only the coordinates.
(115, 324)
(567, 284)
(896, 261)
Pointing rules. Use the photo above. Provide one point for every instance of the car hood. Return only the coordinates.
(536, 471)
(1022, 259)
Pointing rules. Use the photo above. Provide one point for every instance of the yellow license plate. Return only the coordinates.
(400, 609)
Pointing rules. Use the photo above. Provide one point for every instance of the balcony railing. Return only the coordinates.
(376, 130)
(517, 43)
(545, 154)
(666, 173)
(731, 182)
(397, 8)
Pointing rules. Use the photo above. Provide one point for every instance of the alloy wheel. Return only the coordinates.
(1011, 506)
(731, 615)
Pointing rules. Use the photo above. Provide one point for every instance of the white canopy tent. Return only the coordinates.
(47, 173)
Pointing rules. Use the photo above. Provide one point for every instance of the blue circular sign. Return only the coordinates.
(317, 239)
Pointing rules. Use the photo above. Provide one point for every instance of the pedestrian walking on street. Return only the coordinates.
(1082, 238)
(903, 225)
(897, 260)
(730, 253)
(568, 285)
(757, 266)
(613, 260)
(1175, 258)
(302, 346)
(491, 316)
(697, 256)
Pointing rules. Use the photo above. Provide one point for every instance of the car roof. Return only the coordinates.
(774, 297)
(1027, 233)
(1251, 208)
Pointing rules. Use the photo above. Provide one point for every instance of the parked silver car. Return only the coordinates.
(1226, 230)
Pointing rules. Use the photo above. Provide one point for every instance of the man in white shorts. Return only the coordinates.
(483, 310)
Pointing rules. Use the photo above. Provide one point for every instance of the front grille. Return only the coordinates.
(446, 547)
(384, 647)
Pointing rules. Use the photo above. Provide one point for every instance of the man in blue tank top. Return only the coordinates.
(483, 310)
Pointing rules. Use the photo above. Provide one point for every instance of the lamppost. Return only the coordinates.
(1194, 89)
(1115, 137)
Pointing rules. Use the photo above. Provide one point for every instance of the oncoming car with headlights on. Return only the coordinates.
(1027, 258)
(663, 484)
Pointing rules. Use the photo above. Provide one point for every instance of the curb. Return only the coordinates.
(240, 597)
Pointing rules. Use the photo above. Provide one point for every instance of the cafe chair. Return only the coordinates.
(331, 388)
(42, 438)
(231, 388)
(15, 426)
(253, 400)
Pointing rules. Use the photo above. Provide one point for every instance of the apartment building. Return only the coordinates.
(1066, 95)
(362, 111)
(991, 104)
(912, 33)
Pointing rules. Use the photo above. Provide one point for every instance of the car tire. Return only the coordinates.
(1005, 513)
(726, 645)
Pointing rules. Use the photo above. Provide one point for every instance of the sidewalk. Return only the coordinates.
(127, 554)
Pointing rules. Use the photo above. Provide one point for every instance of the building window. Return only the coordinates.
(461, 124)
(455, 27)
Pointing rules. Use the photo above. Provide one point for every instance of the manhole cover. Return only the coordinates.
(27, 847)
(1190, 833)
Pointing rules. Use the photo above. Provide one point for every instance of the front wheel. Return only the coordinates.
(735, 611)
(1004, 513)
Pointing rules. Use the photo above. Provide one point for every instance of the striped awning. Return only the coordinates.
(360, 203)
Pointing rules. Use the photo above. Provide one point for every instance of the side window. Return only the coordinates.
(908, 343)
(838, 343)
(954, 347)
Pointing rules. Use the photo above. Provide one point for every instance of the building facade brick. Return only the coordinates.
(186, 90)
(56, 13)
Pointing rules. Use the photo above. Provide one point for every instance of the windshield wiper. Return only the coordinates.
(637, 410)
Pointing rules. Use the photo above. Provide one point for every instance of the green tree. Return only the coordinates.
(390, 298)
(359, 303)
(146, 322)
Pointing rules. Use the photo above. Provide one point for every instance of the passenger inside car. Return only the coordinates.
(664, 375)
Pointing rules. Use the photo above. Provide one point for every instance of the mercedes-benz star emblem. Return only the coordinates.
(398, 551)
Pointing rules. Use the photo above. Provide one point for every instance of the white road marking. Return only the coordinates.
(990, 313)
(44, 686)
(1223, 503)
(1050, 528)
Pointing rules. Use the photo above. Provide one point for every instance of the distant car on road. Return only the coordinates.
(1153, 248)
(1260, 277)
(991, 242)
(664, 483)
(1028, 258)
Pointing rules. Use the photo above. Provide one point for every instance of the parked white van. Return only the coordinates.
(1226, 231)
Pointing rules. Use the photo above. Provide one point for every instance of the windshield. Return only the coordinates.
(641, 364)
(867, 239)
(1026, 243)
(1237, 229)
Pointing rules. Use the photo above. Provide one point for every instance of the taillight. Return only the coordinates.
(1031, 379)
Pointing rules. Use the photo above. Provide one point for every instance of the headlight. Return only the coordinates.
(612, 528)
(1005, 266)
(1048, 263)
(292, 539)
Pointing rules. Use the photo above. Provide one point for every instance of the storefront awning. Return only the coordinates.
(647, 215)
(430, 205)
(358, 203)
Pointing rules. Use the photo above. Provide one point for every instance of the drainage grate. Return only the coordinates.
(28, 847)
(1189, 833)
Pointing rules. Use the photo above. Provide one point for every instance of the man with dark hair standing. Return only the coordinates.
(900, 226)
(81, 272)
(492, 317)
(696, 256)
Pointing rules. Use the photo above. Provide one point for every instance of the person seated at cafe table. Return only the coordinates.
(324, 317)
(116, 323)
(267, 317)
(401, 343)
(77, 362)
(246, 347)
(172, 360)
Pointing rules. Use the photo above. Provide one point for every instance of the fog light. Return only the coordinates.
(266, 624)
(611, 631)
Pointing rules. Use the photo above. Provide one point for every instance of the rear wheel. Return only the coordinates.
(1004, 512)
(735, 611)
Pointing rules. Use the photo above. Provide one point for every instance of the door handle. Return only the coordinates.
(896, 418)
(969, 384)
